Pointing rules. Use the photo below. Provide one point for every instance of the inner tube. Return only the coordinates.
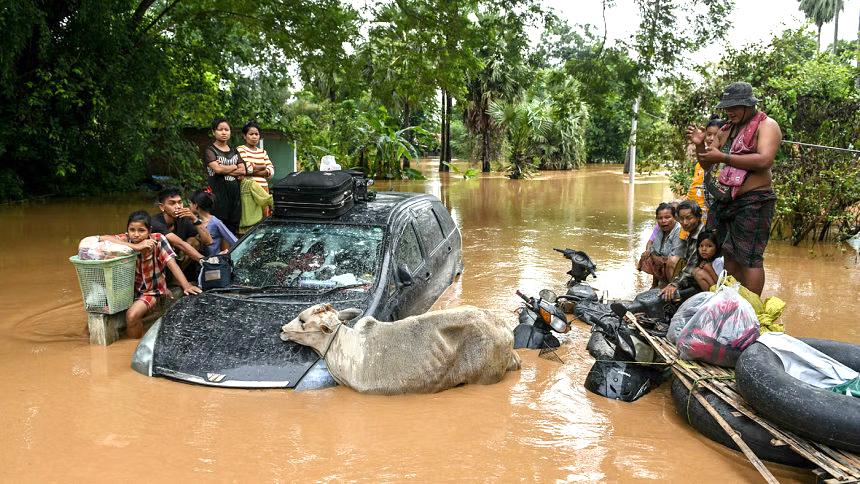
(756, 437)
(817, 414)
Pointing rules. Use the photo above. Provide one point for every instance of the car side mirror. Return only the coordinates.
(404, 276)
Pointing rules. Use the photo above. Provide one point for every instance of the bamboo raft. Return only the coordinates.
(834, 465)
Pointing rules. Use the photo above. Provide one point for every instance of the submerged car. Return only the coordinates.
(391, 257)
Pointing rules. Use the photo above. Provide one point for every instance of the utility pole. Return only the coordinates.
(633, 127)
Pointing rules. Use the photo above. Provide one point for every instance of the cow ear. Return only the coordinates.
(325, 328)
(328, 307)
(348, 314)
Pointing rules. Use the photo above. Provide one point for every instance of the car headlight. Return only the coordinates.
(141, 360)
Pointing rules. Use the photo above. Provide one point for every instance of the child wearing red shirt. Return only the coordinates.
(150, 281)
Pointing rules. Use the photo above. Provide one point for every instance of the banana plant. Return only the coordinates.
(467, 174)
(526, 124)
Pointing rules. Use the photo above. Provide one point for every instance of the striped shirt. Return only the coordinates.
(259, 158)
(149, 278)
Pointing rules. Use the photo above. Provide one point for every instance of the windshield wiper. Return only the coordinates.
(317, 292)
(247, 288)
(341, 288)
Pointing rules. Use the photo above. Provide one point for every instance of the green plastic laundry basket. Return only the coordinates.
(107, 286)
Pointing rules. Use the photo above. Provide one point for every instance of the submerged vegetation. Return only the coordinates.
(95, 96)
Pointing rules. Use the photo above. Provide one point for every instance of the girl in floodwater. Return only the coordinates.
(201, 203)
(150, 283)
(705, 273)
(224, 166)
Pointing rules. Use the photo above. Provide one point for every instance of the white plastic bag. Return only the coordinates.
(327, 163)
(684, 313)
(90, 248)
(720, 330)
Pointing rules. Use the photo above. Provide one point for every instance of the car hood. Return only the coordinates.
(225, 340)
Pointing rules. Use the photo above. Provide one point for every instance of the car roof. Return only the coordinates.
(378, 211)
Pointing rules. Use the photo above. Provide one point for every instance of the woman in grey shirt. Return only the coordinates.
(665, 241)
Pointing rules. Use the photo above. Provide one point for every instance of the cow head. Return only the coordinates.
(316, 326)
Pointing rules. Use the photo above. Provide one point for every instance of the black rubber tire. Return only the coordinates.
(817, 414)
(757, 438)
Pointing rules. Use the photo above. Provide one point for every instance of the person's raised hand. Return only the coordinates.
(185, 212)
(711, 155)
(695, 134)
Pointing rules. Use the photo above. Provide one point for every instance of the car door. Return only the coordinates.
(436, 273)
(452, 245)
(406, 295)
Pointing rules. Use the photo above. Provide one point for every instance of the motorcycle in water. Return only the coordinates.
(581, 266)
(628, 373)
(538, 318)
(656, 313)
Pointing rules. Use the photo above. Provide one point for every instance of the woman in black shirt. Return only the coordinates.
(224, 166)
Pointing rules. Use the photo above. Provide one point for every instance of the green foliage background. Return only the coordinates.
(814, 98)
(95, 95)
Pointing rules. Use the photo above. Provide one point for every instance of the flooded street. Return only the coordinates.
(74, 412)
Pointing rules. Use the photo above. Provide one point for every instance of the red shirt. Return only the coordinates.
(149, 277)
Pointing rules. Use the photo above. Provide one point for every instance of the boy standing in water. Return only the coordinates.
(744, 201)
(150, 283)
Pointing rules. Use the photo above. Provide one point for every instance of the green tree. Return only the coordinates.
(504, 70)
(814, 100)
(526, 125)
(101, 90)
(820, 12)
(667, 32)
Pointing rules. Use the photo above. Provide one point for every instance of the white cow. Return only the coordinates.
(420, 354)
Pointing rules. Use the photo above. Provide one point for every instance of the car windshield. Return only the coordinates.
(309, 255)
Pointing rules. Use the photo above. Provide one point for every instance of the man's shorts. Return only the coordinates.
(743, 226)
(149, 299)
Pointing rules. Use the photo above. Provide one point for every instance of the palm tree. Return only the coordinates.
(526, 125)
(820, 12)
(840, 4)
(500, 79)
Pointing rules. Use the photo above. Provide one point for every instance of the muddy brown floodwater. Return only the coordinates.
(74, 412)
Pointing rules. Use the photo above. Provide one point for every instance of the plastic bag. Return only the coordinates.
(773, 307)
(767, 311)
(687, 310)
(90, 248)
(850, 388)
(327, 163)
(720, 330)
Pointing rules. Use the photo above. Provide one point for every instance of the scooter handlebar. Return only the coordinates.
(567, 252)
(525, 298)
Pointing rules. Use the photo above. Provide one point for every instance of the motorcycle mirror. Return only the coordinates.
(548, 295)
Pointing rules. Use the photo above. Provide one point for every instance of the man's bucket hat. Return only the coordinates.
(737, 94)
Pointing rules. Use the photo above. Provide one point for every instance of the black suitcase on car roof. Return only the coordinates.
(317, 194)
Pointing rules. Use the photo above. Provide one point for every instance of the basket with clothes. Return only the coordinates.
(105, 274)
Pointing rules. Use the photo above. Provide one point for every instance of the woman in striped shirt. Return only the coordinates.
(257, 157)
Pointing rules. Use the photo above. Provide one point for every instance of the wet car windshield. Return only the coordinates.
(308, 255)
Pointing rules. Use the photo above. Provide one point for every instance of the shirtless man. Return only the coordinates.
(742, 220)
